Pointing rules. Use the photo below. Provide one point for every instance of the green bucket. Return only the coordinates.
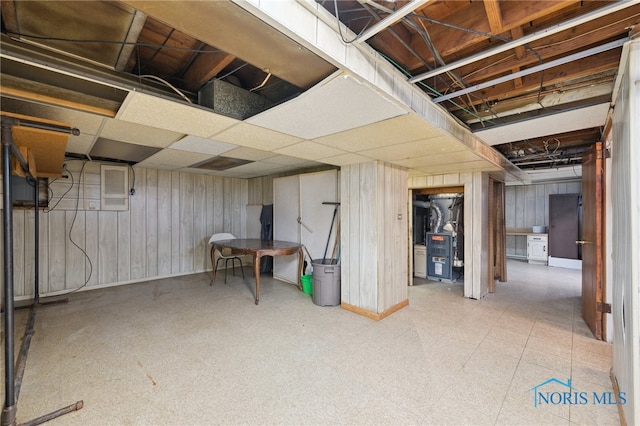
(307, 284)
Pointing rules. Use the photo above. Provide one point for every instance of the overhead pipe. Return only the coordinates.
(391, 19)
(10, 407)
(532, 70)
(14, 371)
(617, 6)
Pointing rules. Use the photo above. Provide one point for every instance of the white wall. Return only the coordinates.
(165, 232)
(374, 211)
(625, 193)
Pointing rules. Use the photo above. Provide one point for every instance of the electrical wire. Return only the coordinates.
(48, 209)
(489, 35)
(369, 5)
(171, 86)
(132, 191)
(17, 35)
(344, 39)
(73, 221)
(434, 91)
(87, 279)
(259, 86)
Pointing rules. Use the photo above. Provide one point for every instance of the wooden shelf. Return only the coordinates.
(519, 231)
(43, 149)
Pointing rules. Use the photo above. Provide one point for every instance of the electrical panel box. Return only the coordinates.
(439, 261)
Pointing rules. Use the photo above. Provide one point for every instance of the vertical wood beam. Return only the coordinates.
(491, 258)
(517, 33)
(494, 15)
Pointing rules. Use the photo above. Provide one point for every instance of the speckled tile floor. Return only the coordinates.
(177, 351)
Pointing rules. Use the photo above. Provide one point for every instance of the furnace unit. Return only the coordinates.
(439, 257)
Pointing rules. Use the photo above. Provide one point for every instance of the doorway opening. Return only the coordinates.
(437, 237)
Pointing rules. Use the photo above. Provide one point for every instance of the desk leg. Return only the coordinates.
(213, 265)
(300, 266)
(256, 273)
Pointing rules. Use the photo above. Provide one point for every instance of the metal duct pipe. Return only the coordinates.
(10, 408)
(438, 211)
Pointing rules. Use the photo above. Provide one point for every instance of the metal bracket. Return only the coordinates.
(604, 307)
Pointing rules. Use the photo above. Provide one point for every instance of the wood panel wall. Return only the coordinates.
(374, 250)
(528, 205)
(165, 232)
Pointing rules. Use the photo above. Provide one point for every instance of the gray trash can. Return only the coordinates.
(326, 282)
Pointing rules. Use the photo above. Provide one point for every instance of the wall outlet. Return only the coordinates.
(92, 206)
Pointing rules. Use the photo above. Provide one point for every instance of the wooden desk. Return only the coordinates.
(257, 248)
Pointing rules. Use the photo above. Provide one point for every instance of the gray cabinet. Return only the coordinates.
(420, 261)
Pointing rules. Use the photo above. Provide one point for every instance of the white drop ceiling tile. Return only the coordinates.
(431, 160)
(197, 171)
(310, 151)
(172, 115)
(465, 167)
(248, 135)
(151, 165)
(257, 167)
(285, 160)
(252, 154)
(346, 159)
(173, 157)
(80, 144)
(568, 121)
(414, 149)
(137, 134)
(202, 145)
(405, 128)
(339, 103)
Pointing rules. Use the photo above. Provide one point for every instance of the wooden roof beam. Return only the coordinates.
(601, 62)
(514, 14)
(205, 67)
(492, 9)
(572, 39)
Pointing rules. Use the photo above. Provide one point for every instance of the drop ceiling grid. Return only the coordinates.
(250, 136)
(415, 149)
(80, 144)
(202, 145)
(256, 167)
(462, 167)
(137, 134)
(285, 160)
(337, 104)
(252, 154)
(397, 130)
(438, 159)
(85, 122)
(346, 159)
(310, 150)
(170, 115)
(563, 122)
(174, 157)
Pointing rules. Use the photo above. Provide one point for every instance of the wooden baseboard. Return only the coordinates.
(374, 315)
(616, 391)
